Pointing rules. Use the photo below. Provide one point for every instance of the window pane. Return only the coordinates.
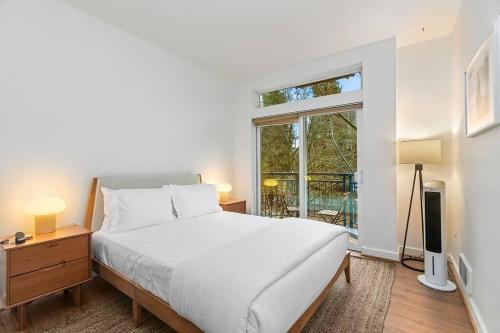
(311, 90)
(279, 170)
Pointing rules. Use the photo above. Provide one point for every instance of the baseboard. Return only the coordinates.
(470, 305)
(378, 253)
(411, 251)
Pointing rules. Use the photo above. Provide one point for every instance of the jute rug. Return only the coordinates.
(357, 307)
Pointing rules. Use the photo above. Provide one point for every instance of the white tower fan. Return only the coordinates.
(435, 262)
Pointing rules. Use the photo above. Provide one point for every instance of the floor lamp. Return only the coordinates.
(417, 152)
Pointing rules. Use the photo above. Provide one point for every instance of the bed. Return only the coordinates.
(145, 264)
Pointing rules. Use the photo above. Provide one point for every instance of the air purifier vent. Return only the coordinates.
(465, 273)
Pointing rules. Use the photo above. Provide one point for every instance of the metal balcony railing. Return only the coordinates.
(280, 195)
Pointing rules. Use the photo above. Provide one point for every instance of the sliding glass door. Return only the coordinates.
(331, 150)
(306, 167)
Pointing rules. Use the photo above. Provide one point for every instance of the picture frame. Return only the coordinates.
(482, 86)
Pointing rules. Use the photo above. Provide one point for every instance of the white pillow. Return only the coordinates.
(195, 200)
(128, 209)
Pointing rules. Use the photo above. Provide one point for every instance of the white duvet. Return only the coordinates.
(216, 289)
(277, 268)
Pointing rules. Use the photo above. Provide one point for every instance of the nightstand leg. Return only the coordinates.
(77, 295)
(22, 317)
(136, 313)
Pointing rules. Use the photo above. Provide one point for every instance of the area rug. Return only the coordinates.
(360, 306)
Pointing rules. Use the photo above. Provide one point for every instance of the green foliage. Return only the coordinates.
(331, 138)
(273, 98)
(325, 88)
(331, 143)
(279, 149)
(304, 91)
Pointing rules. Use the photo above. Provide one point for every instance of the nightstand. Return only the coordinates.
(235, 206)
(44, 265)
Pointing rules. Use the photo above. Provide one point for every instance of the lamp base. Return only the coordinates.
(45, 224)
(223, 196)
(449, 286)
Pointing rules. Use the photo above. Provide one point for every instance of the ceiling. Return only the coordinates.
(239, 39)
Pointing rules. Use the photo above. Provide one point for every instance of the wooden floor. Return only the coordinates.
(414, 308)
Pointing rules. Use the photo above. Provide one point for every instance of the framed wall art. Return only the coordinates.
(482, 107)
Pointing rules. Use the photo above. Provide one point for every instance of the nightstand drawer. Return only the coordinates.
(34, 257)
(29, 285)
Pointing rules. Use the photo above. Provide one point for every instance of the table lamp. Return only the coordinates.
(224, 189)
(270, 182)
(45, 210)
(417, 152)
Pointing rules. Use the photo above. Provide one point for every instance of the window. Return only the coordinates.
(311, 90)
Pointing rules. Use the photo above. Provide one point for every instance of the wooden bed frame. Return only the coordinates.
(142, 298)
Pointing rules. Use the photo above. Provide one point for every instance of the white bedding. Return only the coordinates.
(149, 255)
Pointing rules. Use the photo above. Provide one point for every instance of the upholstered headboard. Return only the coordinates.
(95, 206)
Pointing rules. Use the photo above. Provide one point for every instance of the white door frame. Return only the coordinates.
(302, 169)
(256, 206)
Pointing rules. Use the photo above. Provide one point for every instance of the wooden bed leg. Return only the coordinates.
(347, 270)
(136, 313)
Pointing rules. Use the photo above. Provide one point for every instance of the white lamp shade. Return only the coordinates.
(420, 151)
(44, 206)
(224, 187)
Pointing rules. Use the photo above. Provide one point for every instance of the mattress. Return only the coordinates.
(149, 255)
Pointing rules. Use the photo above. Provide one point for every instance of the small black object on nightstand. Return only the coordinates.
(20, 237)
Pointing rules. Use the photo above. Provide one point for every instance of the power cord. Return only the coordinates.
(6, 240)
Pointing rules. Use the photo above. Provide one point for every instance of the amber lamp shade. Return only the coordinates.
(44, 210)
(224, 189)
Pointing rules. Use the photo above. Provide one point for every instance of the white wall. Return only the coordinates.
(423, 111)
(80, 98)
(475, 172)
(377, 196)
